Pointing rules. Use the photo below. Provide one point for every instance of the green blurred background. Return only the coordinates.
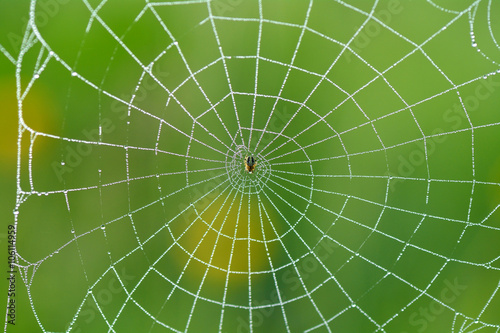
(366, 185)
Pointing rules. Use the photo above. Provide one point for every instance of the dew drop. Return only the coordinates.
(103, 226)
(74, 74)
(63, 163)
(474, 44)
(36, 76)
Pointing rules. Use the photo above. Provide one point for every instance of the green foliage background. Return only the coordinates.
(431, 215)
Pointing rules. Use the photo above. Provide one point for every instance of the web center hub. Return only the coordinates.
(248, 171)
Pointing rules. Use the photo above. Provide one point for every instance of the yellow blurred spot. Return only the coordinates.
(225, 244)
(38, 113)
(8, 125)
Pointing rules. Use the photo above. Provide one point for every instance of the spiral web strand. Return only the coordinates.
(374, 202)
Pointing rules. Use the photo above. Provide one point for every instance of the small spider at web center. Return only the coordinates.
(250, 164)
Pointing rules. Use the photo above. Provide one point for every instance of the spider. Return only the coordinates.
(250, 164)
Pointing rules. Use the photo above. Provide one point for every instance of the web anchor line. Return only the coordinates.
(251, 166)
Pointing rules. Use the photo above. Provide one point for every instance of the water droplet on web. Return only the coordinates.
(498, 70)
(36, 76)
(72, 231)
(103, 226)
(474, 44)
(485, 77)
(51, 53)
(74, 74)
(63, 163)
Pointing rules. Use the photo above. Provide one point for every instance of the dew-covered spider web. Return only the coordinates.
(374, 204)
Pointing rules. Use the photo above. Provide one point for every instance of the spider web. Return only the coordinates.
(374, 202)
